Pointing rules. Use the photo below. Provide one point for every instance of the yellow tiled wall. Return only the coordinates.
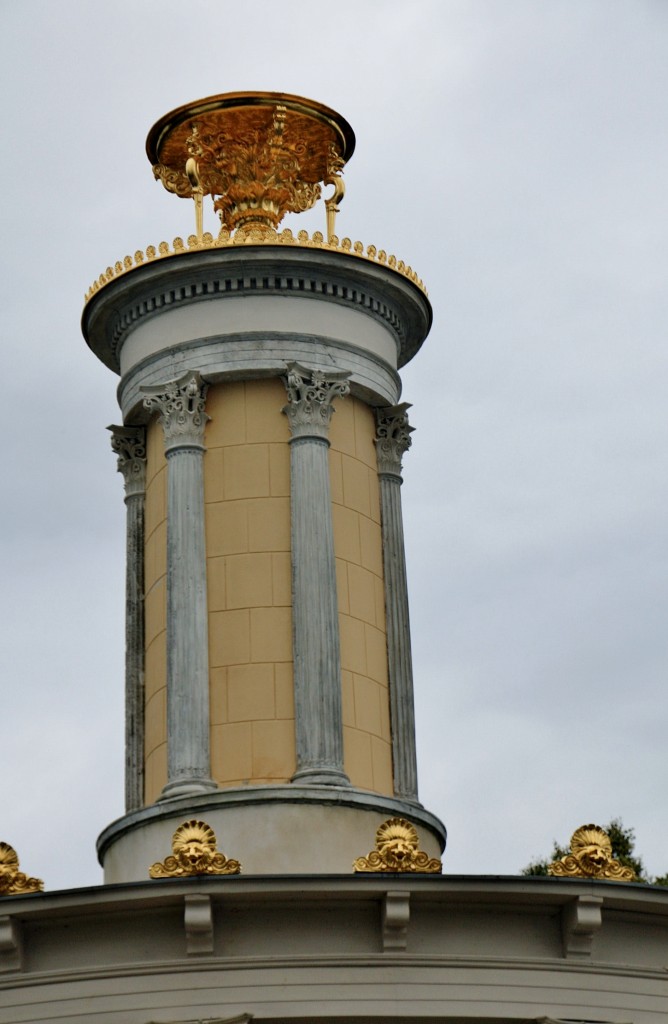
(247, 495)
(359, 566)
(155, 610)
(247, 508)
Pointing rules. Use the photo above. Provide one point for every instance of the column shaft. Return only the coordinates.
(180, 405)
(393, 438)
(317, 661)
(129, 443)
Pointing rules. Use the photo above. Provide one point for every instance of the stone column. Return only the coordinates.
(392, 440)
(180, 406)
(129, 444)
(315, 619)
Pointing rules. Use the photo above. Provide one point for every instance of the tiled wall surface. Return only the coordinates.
(247, 502)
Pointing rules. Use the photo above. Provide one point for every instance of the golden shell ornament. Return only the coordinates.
(12, 881)
(397, 850)
(194, 853)
(591, 857)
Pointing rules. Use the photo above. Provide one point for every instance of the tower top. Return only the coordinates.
(259, 155)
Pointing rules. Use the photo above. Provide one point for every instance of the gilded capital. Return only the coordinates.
(393, 437)
(12, 881)
(310, 396)
(180, 405)
(129, 444)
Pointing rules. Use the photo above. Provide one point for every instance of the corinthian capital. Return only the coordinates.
(393, 437)
(129, 443)
(180, 406)
(310, 396)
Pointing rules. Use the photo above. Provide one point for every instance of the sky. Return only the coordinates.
(513, 152)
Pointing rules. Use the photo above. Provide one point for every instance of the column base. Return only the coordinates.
(187, 787)
(273, 830)
(321, 775)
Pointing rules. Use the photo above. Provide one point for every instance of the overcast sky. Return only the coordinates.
(515, 153)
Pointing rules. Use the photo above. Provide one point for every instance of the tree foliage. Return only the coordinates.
(623, 842)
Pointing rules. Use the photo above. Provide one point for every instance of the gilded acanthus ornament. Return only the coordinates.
(397, 850)
(591, 857)
(12, 881)
(258, 155)
(194, 853)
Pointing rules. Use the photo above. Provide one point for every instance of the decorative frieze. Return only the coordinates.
(392, 441)
(129, 444)
(180, 405)
(316, 648)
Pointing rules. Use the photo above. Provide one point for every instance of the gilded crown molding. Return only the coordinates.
(226, 241)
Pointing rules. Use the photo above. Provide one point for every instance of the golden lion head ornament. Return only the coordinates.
(397, 850)
(194, 853)
(591, 857)
(12, 881)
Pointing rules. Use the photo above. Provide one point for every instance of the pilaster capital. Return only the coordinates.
(310, 396)
(393, 437)
(129, 444)
(180, 405)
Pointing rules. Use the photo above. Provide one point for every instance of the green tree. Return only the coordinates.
(623, 842)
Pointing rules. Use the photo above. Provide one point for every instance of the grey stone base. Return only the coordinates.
(285, 829)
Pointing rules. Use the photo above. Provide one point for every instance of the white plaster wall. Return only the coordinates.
(269, 314)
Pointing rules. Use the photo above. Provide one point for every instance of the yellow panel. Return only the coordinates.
(356, 492)
(342, 427)
(271, 634)
(362, 594)
(365, 432)
(231, 753)
(246, 471)
(284, 690)
(226, 408)
(250, 692)
(229, 638)
(274, 750)
(367, 705)
(269, 524)
(218, 682)
(249, 581)
(247, 496)
(155, 731)
(281, 577)
(265, 420)
(155, 777)
(381, 757)
(226, 527)
(357, 757)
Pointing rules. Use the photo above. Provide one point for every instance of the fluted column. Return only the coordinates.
(315, 620)
(180, 406)
(129, 444)
(392, 440)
